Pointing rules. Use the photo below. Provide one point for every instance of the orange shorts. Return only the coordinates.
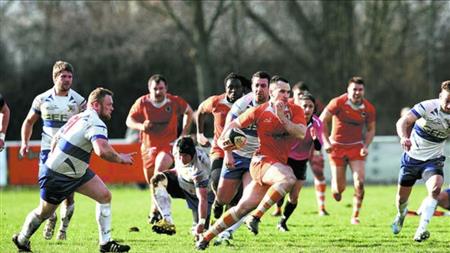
(149, 155)
(340, 154)
(259, 166)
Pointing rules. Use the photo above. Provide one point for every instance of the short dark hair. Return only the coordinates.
(277, 78)
(262, 75)
(308, 96)
(300, 86)
(186, 145)
(232, 75)
(445, 85)
(157, 78)
(99, 94)
(356, 79)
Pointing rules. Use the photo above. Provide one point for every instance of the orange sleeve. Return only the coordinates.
(136, 111)
(182, 104)
(333, 106)
(372, 115)
(209, 104)
(248, 117)
(298, 115)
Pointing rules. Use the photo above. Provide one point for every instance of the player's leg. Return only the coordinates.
(32, 222)
(299, 170)
(252, 195)
(338, 162)
(95, 188)
(49, 228)
(216, 169)
(434, 181)
(444, 199)
(290, 206)
(280, 178)
(358, 172)
(66, 213)
(317, 165)
(164, 184)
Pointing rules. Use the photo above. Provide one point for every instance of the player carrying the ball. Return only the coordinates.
(278, 124)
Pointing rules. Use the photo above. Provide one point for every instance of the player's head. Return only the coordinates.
(101, 101)
(260, 86)
(279, 89)
(444, 96)
(298, 89)
(62, 76)
(307, 102)
(233, 87)
(157, 88)
(186, 149)
(355, 89)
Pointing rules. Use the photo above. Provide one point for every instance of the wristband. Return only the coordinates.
(2, 136)
(202, 221)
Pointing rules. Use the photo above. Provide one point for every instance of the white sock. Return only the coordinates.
(103, 216)
(163, 202)
(66, 214)
(31, 224)
(402, 208)
(428, 208)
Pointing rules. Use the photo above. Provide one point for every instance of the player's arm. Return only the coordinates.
(403, 125)
(104, 150)
(202, 195)
(295, 130)
(370, 133)
(188, 116)
(326, 117)
(135, 122)
(27, 130)
(200, 121)
(4, 121)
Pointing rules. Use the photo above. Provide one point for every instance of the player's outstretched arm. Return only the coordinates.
(105, 151)
(326, 117)
(200, 121)
(296, 130)
(188, 116)
(4, 121)
(403, 126)
(26, 131)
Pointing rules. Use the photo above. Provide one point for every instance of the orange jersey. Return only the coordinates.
(275, 141)
(219, 107)
(164, 119)
(348, 121)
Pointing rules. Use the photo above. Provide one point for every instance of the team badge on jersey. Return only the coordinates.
(168, 108)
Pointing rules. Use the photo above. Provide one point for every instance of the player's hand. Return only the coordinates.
(127, 158)
(202, 140)
(364, 151)
(327, 147)
(279, 109)
(199, 229)
(406, 143)
(24, 149)
(146, 125)
(228, 160)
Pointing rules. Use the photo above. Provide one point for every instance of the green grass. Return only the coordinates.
(309, 232)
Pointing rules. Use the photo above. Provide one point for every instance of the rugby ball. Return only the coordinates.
(235, 137)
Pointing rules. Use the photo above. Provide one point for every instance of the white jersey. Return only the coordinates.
(239, 107)
(430, 130)
(194, 174)
(55, 111)
(73, 151)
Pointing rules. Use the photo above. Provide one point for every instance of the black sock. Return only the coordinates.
(280, 202)
(288, 210)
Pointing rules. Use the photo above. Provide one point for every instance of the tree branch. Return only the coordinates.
(178, 22)
(275, 38)
(220, 10)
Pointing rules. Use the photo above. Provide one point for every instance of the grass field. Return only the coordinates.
(309, 232)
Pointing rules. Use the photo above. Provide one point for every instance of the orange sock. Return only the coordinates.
(273, 194)
(320, 186)
(228, 218)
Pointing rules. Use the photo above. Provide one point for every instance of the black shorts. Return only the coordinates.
(299, 168)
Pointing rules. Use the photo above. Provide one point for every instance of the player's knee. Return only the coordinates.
(105, 197)
(159, 180)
